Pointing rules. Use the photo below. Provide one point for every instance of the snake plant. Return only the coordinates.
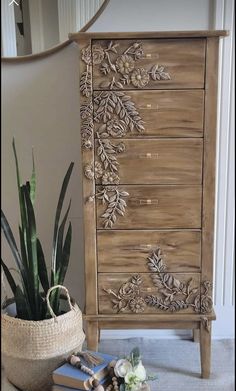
(35, 280)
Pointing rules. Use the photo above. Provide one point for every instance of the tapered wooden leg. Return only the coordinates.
(196, 335)
(92, 335)
(205, 349)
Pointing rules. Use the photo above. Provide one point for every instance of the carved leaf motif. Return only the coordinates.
(157, 73)
(86, 83)
(112, 196)
(172, 300)
(177, 305)
(117, 102)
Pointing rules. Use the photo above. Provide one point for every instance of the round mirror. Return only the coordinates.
(34, 26)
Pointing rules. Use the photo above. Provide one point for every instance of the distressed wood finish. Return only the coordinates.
(120, 251)
(148, 34)
(148, 126)
(158, 161)
(167, 113)
(209, 158)
(151, 207)
(184, 60)
(115, 281)
(88, 209)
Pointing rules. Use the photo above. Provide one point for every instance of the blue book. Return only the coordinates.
(57, 387)
(72, 377)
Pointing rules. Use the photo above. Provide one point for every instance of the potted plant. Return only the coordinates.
(39, 335)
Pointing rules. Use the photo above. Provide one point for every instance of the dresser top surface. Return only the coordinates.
(148, 34)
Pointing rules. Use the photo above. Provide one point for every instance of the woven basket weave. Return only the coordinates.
(31, 350)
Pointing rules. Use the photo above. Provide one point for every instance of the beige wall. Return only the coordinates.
(40, 109)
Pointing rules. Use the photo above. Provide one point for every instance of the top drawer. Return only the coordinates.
(148, 64)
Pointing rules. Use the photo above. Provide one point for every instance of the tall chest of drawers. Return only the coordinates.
(148, 133)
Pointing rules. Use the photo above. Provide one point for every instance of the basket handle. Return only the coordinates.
(48, 302)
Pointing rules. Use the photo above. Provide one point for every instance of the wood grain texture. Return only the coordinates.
(168, 113)
(183, 59)
(92, 335)
(148, 34)
(127, 251)
(205, 350)
(160, 317)
(209, 158)
(148, 324)
(170, 207)
(115, 280)
(89, 221)
(166, 161)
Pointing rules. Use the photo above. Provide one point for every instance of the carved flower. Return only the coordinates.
(110, 178)
(137, 304)
(93, 172)
(116, 128)
(125, 64)
(140, 77)
(128, 290)
(203, 303)
(86, 144)
(98, 54)
(86, 55)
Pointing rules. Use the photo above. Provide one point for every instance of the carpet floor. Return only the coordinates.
(176, 363)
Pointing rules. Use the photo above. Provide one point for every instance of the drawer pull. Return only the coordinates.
(148, 155)
(146, 246)
(149, 106)
(144, 201)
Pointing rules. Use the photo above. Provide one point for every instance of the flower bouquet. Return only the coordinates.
(129, 374)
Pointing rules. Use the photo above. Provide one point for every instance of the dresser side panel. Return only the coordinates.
(209, 156)
(87, 148)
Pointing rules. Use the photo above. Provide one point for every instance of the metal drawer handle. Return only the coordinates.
(148, 155)
(146, 246)
(144, 201)
(149, 106)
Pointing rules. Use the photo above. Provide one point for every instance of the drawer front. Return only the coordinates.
(148, 293)
(165, 161)
(149, 207)
(160, 113)
(148, 63)
(128, 251)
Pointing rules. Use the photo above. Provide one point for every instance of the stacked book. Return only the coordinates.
(70, 378)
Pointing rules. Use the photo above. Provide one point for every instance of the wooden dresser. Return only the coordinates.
(148, 133)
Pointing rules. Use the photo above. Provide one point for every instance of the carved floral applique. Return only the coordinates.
(124, 65)
(173, 294)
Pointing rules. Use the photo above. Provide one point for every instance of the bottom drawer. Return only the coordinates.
(149, 292)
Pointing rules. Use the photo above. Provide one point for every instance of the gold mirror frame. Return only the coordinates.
(56, 48)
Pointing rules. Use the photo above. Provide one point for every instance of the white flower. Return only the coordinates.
(140, 372)
(122, 368)
(132, 381)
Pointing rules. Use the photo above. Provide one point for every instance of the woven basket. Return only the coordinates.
(31, 350)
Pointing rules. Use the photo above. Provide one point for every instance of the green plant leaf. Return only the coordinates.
(11, 241)
(57, 219)
(21, 198)
(23, 310)
(66, 255)
(23, 248)
(59, 251)
(33, 181)
(9, 277)
(42, 268)
(33, 262)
